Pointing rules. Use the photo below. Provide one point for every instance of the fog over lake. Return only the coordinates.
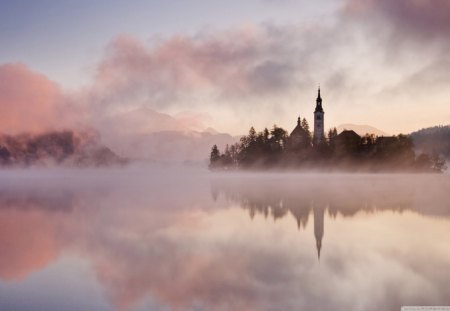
(179, 238)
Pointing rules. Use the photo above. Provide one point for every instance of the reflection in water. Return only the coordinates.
(161, 241)
(299, 195)
(318, 227)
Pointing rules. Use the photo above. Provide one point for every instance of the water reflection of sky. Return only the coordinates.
(162, 240)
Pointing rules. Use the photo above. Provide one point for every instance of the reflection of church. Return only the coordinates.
(301, 215)
(316, 197)
(280, 202)
(319, 213)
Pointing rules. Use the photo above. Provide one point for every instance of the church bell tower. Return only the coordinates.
(319, 133)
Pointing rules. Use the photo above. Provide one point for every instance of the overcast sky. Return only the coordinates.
(233, 64)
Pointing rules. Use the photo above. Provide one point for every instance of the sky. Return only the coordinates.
(226, 66)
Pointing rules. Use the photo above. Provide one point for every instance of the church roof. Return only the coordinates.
(348, 134)
(297, 131)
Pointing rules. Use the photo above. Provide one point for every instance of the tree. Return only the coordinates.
(438, 163)
(266, 135)
(305, 126)
(423, 162)
(226, 158)
(214, 157)
(369, 139)
(252, 134)
(279, 137)
(268, 148)
(234, 152)
(332, 134)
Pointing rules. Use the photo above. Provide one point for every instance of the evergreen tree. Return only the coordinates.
(438, 162)
(266, 135)
(305, 126)
(226, 158)
(214, 157)
(307, 140)
(335, 133)
(279, 138)
(332, 134)
(252, 134)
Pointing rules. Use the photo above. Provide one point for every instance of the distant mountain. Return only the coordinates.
(171, 146)
(211, 131)
(146, 134)
(431, 139)
(140, 120)
(362, 129)
(66, 148)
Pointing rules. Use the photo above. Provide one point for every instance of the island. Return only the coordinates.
(346, 151)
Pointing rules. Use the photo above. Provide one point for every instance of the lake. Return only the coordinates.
(187, 239)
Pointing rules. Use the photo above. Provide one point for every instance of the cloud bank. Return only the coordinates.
(29, 101)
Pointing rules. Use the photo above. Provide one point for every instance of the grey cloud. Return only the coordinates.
(415, 21)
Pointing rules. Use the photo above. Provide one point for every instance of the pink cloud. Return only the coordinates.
(29, 101)
(231, 63)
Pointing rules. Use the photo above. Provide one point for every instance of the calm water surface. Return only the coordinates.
(185, 239)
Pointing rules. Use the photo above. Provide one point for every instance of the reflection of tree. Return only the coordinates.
(25, 200)
(278, 197)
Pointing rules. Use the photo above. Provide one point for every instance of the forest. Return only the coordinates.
(433, 139)
(68, 148)
(276, 149)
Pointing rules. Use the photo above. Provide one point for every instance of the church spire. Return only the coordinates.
(319, 102)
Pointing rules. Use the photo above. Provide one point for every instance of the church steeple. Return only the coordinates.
(319, 102)
(319, 132)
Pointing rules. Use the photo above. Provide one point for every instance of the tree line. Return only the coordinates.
(274, 148)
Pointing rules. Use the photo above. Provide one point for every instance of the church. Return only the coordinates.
(300, 137)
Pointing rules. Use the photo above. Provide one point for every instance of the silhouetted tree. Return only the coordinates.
(332, 133)
(305, 126)
(423, 162)
(437, 162)
(308, 137)
(368, 139)
(278, 139)
(271, 148)
(214, 157)
(266, 135)
(225, 158)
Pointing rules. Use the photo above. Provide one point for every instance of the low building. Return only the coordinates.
(347, 142)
